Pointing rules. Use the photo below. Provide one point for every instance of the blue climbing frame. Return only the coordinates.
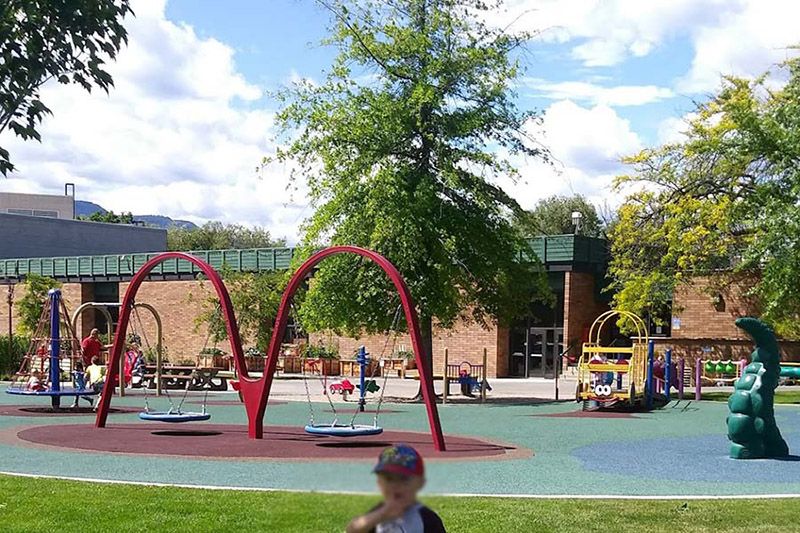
(55, 392)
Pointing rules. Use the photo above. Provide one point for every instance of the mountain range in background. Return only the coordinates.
(86, 209)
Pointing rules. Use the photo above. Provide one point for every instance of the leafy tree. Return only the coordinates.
(219, 236)
(69, 41)
(30, 306)
(553, 216)
(721, 204)
(109, 217)
(255, 298)
(400, 145)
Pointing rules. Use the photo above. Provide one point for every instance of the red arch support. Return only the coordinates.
(255, 392)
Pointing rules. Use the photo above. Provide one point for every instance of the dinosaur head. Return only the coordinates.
(767, 351)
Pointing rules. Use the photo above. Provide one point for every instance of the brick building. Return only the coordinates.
(702, 323)
(703, 319)
(526, 348)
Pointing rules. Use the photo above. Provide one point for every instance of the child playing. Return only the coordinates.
(79, 380)
(35, 382)
(401, 475)
(97, 377)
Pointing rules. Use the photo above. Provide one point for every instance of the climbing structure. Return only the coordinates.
(38, 356)
(751, 423)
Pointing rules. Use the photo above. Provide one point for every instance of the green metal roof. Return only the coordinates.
(99, 267)
(557, 252)
(568, 252)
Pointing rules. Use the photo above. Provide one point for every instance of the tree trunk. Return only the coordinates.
(426, 332)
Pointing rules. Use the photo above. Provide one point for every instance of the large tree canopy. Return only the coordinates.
(400, 145)
(66, 40)
(553, 216)
(722, 202)
(218, 236)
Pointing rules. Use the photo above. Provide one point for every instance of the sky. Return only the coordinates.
(190, 118)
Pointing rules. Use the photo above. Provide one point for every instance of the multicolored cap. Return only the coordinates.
(400, 459)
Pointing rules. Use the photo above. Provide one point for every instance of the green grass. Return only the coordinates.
(54, 505)
(783, 397)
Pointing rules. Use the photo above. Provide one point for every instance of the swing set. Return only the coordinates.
(255, 391)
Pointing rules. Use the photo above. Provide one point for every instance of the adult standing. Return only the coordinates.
(91, 347)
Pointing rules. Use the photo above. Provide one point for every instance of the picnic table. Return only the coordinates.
(177, 376)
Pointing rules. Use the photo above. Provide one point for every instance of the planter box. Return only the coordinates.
(212, 361)
(327, 367)
(292, 364)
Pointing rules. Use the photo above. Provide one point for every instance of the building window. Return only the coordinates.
(34, 212)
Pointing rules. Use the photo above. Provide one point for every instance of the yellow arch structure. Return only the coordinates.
(626, 365)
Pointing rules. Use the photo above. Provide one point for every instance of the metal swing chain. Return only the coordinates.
(293, 312)
(392, 328)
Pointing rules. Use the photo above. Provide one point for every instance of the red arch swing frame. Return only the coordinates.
(255, 392)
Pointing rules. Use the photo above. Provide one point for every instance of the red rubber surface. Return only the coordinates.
(221, 441)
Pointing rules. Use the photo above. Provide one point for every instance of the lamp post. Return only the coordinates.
(10, 300)
(577, 218)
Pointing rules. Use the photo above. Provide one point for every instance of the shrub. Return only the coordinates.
(10, 361)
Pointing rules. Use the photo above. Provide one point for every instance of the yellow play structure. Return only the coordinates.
(612, 374)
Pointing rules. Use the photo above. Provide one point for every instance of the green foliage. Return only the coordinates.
(553, 216)
(219, 236)
(42, 40)
(11, 354)
(721, 204)
(400, 146)
(109, 217)
(311, 351)
(30, 306)
(255, 298)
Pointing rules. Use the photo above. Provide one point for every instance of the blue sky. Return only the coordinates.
(190, 117)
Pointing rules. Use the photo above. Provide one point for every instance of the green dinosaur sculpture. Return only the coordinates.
(751, 423)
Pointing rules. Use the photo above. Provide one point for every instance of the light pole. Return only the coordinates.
(577, 218)
(10, 300)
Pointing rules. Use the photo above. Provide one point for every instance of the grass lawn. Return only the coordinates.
(784, 397)
(53, 505)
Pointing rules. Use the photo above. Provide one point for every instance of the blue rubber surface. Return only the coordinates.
(50, 393)
(674, 451)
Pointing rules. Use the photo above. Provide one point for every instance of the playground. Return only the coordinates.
(497, 449)
(624, 434)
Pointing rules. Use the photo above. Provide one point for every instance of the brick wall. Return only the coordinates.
(465, 342)
(581, 308)
(71, 293)
(721, 348)
(702, 318)
(178, 304)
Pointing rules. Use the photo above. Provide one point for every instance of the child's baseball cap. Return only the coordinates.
(400, 459)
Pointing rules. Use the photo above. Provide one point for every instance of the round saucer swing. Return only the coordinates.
(175, 414)
(351, 429)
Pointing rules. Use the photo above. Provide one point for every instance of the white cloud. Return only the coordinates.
(742, 37)
(621, 95)
(587, 144)
(745, 43)
(606, 32)
(180, 134)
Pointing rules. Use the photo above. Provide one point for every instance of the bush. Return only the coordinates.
(319, 352)
(9, 365)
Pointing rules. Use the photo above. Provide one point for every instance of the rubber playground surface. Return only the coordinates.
(547, 449)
